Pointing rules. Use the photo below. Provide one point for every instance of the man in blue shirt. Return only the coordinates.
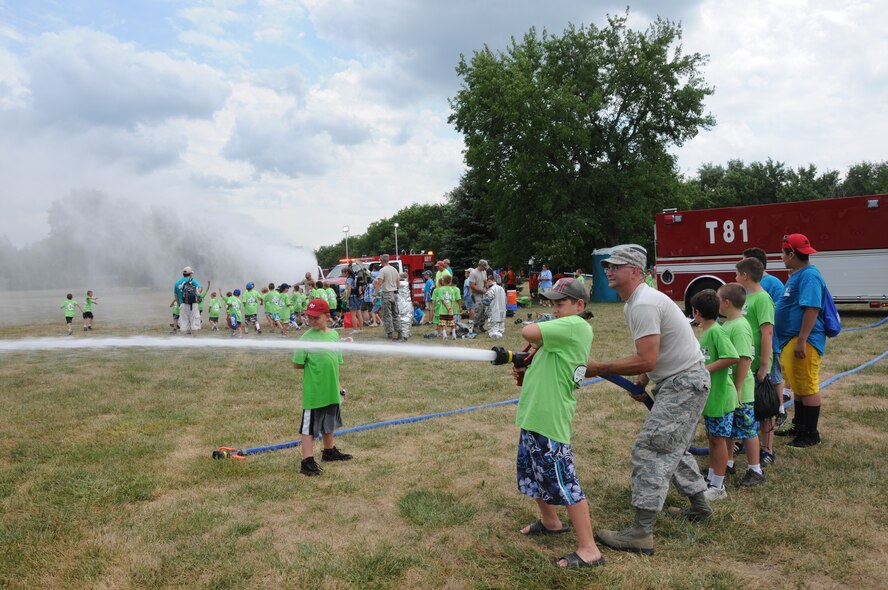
(189, 311)
(798, 323)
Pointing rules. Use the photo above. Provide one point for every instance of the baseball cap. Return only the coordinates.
(439, 263)
(283, 286)
(567, 288)
(250, 285)
(799, 243)
(632, 255)
(187, 271)
(317, 307)
(236, 292)
(483, 263)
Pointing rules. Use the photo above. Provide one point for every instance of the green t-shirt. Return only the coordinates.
(330, 295)
(548, 402)
(299, 302)
(251, 301)
(236, 308)
(176, 308)
(716, 344)
(759, 310)
(69, 305)
(271, 302)
(88, 306)
(741, 337)
(215, 307)
(286, 305)
(320, 381)
(446, 300)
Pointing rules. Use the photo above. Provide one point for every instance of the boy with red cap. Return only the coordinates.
(801, 336)
(320, 389)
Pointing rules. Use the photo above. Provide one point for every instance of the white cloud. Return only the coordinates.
(797, 81)
(84, 78)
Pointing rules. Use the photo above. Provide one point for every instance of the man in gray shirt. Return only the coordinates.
(387, 285)
(667, 353)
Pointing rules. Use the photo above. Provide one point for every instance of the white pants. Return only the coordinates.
(189, 318)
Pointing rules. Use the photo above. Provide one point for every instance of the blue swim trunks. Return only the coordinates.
(720, 426)
(546, 470)
(745, 426)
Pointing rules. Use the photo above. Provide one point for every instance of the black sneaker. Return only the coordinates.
(805, 440)
(310, 467)
(752, 479)
(335, 454)
(766, 458)
(730, 469)
(791, 431)
(738, 447)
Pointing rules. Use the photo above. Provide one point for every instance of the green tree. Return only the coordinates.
(866, 178)
(568, 135)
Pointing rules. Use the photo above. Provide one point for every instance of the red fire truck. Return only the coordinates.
(412, 264)
(698, 249)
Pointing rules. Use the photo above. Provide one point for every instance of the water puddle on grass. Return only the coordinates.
(186, 342)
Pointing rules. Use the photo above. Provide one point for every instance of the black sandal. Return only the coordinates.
(575, 561)
(538, 528)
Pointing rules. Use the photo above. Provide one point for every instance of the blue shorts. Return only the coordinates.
(546, 470)
(745, 426)
(276, 316)
(776, 370)
(720, 426)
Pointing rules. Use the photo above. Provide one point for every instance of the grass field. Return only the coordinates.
(106, 479)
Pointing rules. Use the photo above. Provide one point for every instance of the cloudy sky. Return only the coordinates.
(306, 115)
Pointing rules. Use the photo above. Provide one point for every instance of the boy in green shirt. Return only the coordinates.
(545, 415)
(88, 311)
(69, 305)
(215, 311)
(251, 299)
(176, 309)
(446, 299)
(732, 298)
(759, 312)
(320, 389)
(718, 413)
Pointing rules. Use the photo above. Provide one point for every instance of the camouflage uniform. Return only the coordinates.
(390, 313)
(660, 451)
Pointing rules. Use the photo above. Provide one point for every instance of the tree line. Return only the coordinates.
(568, 144)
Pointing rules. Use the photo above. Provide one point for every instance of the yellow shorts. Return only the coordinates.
(802, 375)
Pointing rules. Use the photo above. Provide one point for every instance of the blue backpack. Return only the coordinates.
(832, 323)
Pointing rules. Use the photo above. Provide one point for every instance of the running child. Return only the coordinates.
(252, 299)
(321, 399)
(718, 413)
(69, 305)
(215, 307)
(88, 310)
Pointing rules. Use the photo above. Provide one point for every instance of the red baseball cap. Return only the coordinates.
(799, 243)
(317, 307)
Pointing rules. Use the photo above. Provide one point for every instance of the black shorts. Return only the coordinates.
(366, 305)
(321, 420)
(68, 320)
(250, 318)
(87, 315)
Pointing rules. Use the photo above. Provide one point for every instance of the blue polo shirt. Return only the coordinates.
(805, 288)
